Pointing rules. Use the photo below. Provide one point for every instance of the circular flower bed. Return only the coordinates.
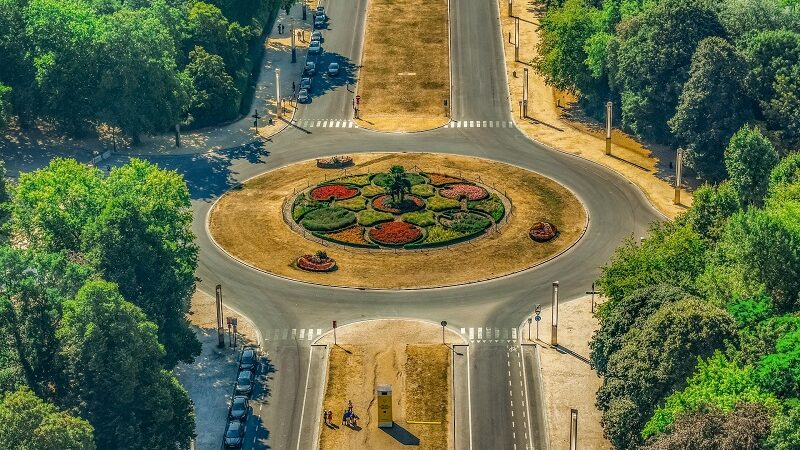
(468, 191)
(542, 231)
(333, 192)
(410, 203)
(318, 262)
(359, 210)
(395, 233)
(335, 162)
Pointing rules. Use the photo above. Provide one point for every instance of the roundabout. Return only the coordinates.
(390, 224)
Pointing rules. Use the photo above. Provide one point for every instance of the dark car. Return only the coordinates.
(321, 8)
(310, 68)
(248, 360)
(333, 69)
(320, 15)
(240, 407)
(319, 22)
(305, 83)
(316, 35)
(303, 96)
(234, 434)
(244, 382)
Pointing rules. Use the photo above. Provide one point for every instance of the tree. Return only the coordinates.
(744, 18)
(27, 422)
(111, 350)
(672, 253)
(5, 207)
(746, 427)
(780, 371)
(213, 95)
(749, 159)
(712, 106)
(654, 361)
(782, 112)
(652, 59)
(710, 210)
(618, 316)
(400, 184)
(5, 105)
(787, 171)
(785, 434)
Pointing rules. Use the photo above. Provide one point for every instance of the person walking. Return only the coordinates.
(330, 417)
(325, 415)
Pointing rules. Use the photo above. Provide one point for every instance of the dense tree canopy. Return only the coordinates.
(749, 159)
(30, 423)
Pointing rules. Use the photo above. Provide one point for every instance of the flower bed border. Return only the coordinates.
(328, 266)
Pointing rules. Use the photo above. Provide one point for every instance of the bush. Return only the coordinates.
(303, 204)
(328, 219)
(358, 180)
(353, 204)
(370, 217)
(492, 206)
(440, 203)
(385, 179)
(469, 223)
(423, 190)
(372, 190)
(438, 234)
(420, 218)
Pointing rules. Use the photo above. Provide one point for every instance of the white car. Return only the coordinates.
(303, 96)
(314, 47)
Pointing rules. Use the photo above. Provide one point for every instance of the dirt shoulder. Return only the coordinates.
(554, 120)
(569, 381)
(249, 224)
(405, 73)
(408, 355)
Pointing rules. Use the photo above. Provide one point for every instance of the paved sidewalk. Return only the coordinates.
(649, 167)
(277, 55)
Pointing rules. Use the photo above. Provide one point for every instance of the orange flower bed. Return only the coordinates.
(438, 179)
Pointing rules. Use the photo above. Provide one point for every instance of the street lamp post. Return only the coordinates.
(609, 119)
(554, 329)
(278, 93)
(220, 329)
(444, 324)
(516, 39)
(530, 320)
(538, 311)
(573, 429)
(593, 291)
(525, 93)
(510, 7)
(255, 117)
(294, 51)
(678, 173)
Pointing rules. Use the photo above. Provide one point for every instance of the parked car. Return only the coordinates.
(248, 360)
(320, 15)
(333, 69)
(321, 8)
(240, 407)
(303, 96)
(305, 83)
(319, 23)
(234, 434)
(310, 68)
(244, 382)
(316, 35)
(314, 47)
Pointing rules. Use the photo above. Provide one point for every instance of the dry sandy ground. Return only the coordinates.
(410, 356)
(569, 381)
(249, 224)
(405, 73)
(564, 129)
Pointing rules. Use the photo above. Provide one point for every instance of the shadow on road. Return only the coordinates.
(401, 435)
(321, 82)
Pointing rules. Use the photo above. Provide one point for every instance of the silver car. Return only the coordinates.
(333, 69)
(244, 382)
(315, 47)
(303, 96)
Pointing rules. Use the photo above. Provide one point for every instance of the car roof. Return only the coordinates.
(234, 425)
(239, 399)
(334, 64)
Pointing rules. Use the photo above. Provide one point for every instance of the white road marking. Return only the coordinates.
(302, 333)
(319, 331)
(305, 394)
(480, 333)
(469, 400)
(463, 331)
(528, 423)
(497, 333)
(294, 333)
(514, 334)
(310, 333)
(285, 333)
(471, 334)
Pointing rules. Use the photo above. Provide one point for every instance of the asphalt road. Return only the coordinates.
(286, 312)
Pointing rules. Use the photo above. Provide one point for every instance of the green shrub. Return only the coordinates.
(353, 204)
(302, 205)
(385, 179)
(370, 217)
(420, 218)
(438, 233)
(357, 180)
(328, 219)
(440, 203)
(492, 206)
(469, 223)
(423, 190)
(372, 190)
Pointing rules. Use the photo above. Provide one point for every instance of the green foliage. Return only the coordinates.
(785, 433)
(328, 219)
(654, 361)
(133, 227)
(672, 253)
(303, 204)
(422, 190)
(749, 312)
(749, 159)
(112, 358)
(420, 218)
(716, 382)
(372, 190)
(712, 106)
(786, 172)
(357, 203)
(618, 316)
(357, 180)
(711, 208)
(371, 217)
(5, 206)
(492, 206)
(780, 371)
(27, 422)
(213, 96)
(438, 234)
(469, 223)
(652, 60)
(438, 203)
(385, 179)
(5, 105)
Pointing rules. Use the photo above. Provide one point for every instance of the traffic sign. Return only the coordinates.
(538, 318)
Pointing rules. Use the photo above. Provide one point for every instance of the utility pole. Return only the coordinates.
(530, 319)
(573, 429)
(294, 51)
(609, 119)
(554, 308)
(178, 134)
(593, 291)
(678, 173)
(278, 111)
(525, 93)
(510, 6)
(255, 117)
(538, 312)
(334, 333)
(444, 324)
(516, 39)
(220, 329)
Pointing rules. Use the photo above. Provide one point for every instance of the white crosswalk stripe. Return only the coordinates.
(324, 123)
(480, 124)
(490, 335)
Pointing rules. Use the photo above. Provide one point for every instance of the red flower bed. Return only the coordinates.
(313, 263)
(333, 191)
(410, 203)
(542, 231)
(395, 233)
(457, 191)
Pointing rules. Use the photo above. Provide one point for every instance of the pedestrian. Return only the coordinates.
(330, 417)
(325, 415)
(294, 88)
(344, 418)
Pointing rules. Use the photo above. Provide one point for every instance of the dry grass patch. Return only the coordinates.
(427, 392)
(405, 76)
(249, 224)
